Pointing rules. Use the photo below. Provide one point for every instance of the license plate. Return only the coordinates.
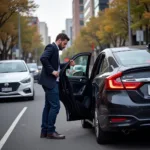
(6, 89)
(148, 89)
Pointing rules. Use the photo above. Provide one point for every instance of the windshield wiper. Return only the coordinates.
(22, 71)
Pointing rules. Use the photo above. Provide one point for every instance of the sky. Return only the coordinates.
(54, 13)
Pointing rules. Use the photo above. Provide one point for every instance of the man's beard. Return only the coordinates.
(60, 47)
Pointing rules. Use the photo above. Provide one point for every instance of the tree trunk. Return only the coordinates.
(11, 54)
(123, 42)
(4, 54)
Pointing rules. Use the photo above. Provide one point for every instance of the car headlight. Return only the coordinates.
(27, 80)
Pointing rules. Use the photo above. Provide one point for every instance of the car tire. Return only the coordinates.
(102, 137)
(85, 124)
(32, 97)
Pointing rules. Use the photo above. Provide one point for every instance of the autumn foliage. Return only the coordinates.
(110, 28)
(30, 38)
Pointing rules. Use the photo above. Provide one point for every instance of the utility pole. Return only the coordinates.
(19, 35)
(129, 24)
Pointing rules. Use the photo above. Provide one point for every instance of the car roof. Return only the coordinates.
(12, 61)
(131, 48)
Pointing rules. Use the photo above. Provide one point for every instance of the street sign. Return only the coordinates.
(139, 36)
(17, 53)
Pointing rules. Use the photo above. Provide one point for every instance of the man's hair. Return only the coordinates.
(62, 37)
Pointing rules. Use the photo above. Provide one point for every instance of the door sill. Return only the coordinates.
(89, 122)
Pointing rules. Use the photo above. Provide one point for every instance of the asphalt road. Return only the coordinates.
(25, 135)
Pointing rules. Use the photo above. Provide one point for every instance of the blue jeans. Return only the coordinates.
(51, 109)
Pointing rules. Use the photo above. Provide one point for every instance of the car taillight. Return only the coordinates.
(114, 83)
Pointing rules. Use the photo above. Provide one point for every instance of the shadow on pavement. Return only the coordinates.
(137, 140)
(14, 100)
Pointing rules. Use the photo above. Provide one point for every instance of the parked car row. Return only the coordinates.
(17, 79)
(35, 70)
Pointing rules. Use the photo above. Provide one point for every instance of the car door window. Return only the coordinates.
(112, 62)
(104, 67)
(80, 67)
(95, 68)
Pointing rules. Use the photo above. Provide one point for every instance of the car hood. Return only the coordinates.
(13, 77)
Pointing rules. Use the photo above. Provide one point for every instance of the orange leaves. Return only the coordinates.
(146, 15)
(10, 7)
(108, 28)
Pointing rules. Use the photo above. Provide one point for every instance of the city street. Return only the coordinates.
(25, 135)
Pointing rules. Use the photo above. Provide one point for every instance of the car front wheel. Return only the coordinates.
(85, 124)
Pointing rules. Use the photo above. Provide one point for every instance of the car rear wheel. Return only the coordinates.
(86, 124)
(102, 137)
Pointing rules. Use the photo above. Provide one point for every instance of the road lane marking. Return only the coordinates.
(8, 133)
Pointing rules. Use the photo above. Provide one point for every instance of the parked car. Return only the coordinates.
(15, 80)
(39, 68)
(34, 70)
(115, 98)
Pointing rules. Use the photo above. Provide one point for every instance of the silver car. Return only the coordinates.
(15, 80)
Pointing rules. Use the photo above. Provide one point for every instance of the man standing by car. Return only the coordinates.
(49, 80)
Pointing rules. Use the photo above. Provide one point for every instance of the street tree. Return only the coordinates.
(9, 36)
(10, 7)
(89, 32)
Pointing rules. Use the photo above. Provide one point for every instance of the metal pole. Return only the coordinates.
(129, 24)
(19, 36)
(36, 52)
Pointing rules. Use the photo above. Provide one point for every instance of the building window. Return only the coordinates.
(81, 22)
(80, 1)
(81, 8)
(96, 11)
(86, 3)
(87, 12)
(81, 16)
(96, 3)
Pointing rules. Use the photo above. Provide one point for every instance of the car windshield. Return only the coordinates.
(32, 65)
(11, 67)
(133, 57)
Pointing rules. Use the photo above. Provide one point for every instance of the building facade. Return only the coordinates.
(100, 5)
(34, 21)
(44, 32)
(78, 16)
(69, 31)
(88, 10)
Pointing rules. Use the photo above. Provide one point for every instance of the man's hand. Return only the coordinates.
(55, 73)
(72, 63)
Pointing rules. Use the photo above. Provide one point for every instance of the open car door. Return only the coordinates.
(76, 89)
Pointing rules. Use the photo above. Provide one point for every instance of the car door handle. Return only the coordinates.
(82, 80)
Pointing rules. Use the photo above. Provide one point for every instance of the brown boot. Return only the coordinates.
(43, 135)
(55, 135)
